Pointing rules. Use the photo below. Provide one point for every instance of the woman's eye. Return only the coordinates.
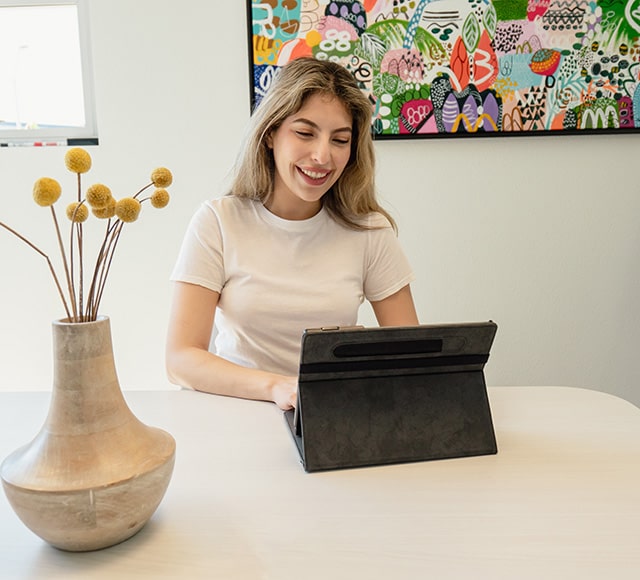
(304, 134)
(342, 141)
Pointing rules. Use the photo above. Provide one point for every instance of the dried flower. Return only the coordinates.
(160, 198)
(77, 160)
(107, 212)
(77, 212)
(161, 177)
(98, 196)
(81, 304)
(46, 191)
(128, 209)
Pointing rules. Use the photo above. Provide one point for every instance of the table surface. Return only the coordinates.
(561, 499)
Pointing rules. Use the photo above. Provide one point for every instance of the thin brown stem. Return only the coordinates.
(51, 268)
(95, 285)
(143, 189)
(108, 258)
(81, 270)
(80, 252)
(72, 263)
(70, 286)
(101, 261)
(76, 227)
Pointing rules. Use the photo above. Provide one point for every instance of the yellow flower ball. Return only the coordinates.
(128, 209)
(160, 198)
(77, 212)
(98, 196)
(46, 191)
(106, 212)
(77, 160)
(161, 177)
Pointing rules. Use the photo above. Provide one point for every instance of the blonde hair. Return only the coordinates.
(353, 196)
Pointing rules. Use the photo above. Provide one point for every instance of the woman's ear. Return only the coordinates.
(268, 139)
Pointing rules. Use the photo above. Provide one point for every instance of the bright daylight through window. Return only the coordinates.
(46, 92)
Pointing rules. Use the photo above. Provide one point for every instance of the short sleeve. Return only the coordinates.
(200, 260)
(387, 269)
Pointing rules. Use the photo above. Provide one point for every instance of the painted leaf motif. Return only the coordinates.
(372, 48)
(471, 33)
(490, 20)
(392, 32)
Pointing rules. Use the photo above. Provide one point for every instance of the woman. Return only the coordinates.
(299, 242)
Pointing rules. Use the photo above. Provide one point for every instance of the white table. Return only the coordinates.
(561, 499)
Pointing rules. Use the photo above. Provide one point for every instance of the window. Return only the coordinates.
(46, 85)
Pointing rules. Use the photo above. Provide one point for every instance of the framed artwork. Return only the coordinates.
(444, 68)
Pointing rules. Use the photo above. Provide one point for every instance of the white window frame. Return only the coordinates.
(87, 135)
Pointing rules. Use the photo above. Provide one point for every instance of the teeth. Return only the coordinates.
(314, 174)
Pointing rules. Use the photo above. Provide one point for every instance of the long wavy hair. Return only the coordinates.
(353, 196)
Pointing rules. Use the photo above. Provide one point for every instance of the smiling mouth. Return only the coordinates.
(314, 175)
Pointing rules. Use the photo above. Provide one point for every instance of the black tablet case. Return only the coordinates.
(371, 396)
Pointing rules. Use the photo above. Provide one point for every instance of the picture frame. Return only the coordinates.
(465, 68)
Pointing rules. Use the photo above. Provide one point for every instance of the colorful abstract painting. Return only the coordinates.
(466, 67)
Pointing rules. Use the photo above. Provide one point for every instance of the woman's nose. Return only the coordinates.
(321, 152)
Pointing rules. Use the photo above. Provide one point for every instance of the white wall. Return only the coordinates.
(539, 234)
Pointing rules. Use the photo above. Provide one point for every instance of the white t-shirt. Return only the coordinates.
(277, 277)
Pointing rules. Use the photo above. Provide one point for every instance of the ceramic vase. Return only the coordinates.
(94, 474)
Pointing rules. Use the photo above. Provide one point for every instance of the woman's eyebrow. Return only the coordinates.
(316, 126)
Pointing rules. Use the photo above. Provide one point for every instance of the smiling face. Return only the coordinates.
(310, 149)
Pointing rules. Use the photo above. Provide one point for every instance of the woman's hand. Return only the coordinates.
(284, 392)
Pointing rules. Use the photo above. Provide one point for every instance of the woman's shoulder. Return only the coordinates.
(229, 202)
(229, 206)
(373, 221)
(221, 210)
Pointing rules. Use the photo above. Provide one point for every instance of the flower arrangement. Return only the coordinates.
(82, 298)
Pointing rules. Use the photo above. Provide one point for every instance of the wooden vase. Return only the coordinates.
(94, 474)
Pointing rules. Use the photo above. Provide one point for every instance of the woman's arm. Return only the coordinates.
(397, 309)
(190, 364)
